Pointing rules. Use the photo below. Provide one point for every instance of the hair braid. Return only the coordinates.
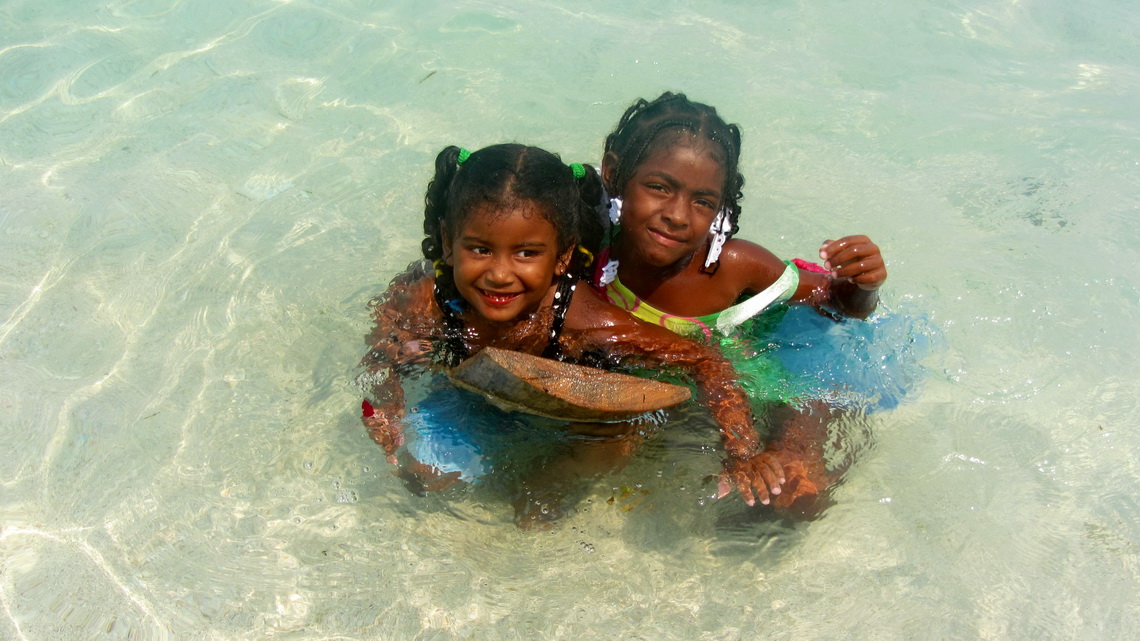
(592, 222)
(435, 213)
(436, 202)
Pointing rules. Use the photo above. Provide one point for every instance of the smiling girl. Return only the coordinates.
(672, 166)
(503, 226)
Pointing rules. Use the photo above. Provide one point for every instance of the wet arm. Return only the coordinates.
(755, 472)
(847, 283)
(837, 295)
(399, 338)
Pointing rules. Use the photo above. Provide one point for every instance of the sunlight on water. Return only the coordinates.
(200, 197)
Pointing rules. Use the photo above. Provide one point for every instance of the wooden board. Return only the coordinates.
(545, 387)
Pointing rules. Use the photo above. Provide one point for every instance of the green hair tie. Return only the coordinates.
(579, 170)
(463, 156)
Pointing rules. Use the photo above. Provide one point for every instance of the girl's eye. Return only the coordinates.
(529, 253)
(707, 204)
(482, 251)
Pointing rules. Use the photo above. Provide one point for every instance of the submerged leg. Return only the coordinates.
(557, 484)
(421, 478)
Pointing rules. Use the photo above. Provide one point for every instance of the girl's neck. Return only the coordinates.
(518, 334)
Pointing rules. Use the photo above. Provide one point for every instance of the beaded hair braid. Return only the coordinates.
(645, 127)
(505, 176)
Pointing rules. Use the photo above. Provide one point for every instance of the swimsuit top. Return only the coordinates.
(722, 322)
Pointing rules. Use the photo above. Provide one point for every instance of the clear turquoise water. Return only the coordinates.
(198, 197)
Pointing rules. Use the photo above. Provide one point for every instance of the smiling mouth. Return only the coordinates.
(499, 299)
(665, 239)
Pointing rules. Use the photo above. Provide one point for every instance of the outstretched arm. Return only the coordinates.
(404, 318)
(749, 468)
(846, 283)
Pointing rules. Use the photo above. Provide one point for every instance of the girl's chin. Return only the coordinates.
(656, 254)
(660, 259)
(504, 313)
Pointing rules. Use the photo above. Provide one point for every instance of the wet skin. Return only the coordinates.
(669, 204)
(505, 265)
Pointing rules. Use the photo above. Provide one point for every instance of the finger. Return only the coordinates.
(723, 488)
(771, 478)
(872, 279)
(745, 488)
(832, 247)
(761, 492)
(739, 480)
(857, 266)
(825, 249)
(775, 465)
(853, 253)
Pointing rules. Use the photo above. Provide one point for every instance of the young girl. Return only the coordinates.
(503, 227)
(671, 166)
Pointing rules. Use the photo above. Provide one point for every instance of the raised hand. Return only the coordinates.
(855, 258)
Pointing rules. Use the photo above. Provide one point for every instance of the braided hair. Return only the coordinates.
(648, 126)
(504, 177)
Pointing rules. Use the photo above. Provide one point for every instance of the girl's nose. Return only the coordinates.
(676, 213)
(499, 272)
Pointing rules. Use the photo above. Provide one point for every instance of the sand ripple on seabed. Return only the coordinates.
(81, 78)
(74, 589)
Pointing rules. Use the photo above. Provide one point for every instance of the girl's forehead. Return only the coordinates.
(691, 162)
(684, 142)
(520, 214)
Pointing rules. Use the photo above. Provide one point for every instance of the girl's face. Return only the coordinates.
(670, 201)
(505, 261)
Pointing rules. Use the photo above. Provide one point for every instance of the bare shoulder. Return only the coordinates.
(599, 323)
(590, 310)
(406, 307)
(412, 285)
(749, 266)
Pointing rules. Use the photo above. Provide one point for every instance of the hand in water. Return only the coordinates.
(855, 258)
(414, 352)
(387, 432)
(758, 476)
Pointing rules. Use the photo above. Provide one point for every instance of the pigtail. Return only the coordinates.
(435, 214)
(735, 192)
(593, 221)
(435, 202)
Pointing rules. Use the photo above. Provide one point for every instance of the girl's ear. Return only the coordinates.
(563, 263)
(609, 171)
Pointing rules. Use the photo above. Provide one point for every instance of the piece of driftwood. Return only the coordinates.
(546, 387)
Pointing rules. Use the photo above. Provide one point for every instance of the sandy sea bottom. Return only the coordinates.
(200, 197)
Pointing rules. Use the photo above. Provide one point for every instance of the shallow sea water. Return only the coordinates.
(199, 197)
